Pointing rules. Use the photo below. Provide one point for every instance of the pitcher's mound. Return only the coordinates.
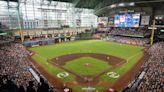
(87, 65)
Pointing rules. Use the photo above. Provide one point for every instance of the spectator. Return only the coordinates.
(21, 89)
(30, 88)
(152, 80)
(14, 69)
(44, 87)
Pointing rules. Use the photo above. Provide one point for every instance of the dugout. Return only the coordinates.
(62, 38)
(38, 42)
(68, 38)
(56, 39)
(31, 43)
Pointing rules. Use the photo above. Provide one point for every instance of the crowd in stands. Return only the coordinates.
(153, 80)
(127, 40)
(130, 31)
(133, 36)
(14, 73)
(150, 77)
(15, 76)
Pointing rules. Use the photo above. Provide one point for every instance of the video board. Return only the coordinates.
(127, 20)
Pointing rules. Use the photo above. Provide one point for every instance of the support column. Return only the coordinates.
(8, 7)
(19, 22)
(33, 12)
(27, 24)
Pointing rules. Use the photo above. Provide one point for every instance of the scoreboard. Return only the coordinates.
(127, 20)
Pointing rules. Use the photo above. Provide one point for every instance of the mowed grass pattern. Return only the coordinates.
(95, 66)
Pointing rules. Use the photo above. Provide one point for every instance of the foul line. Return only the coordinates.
(41, 56)
(133, 56)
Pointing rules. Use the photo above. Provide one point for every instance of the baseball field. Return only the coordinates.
(87, 63)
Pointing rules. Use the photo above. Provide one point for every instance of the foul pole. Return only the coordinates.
(152, 33)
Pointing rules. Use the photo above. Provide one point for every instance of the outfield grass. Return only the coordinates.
(78, 66)
(96, 46)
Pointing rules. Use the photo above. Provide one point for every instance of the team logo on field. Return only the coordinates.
(113, 75)
(62, 75)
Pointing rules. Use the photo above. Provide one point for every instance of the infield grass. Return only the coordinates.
(95, 66)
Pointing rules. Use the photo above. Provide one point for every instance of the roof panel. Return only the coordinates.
(63, 0)
(88, 3)
(93, 4)
(11, 0)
